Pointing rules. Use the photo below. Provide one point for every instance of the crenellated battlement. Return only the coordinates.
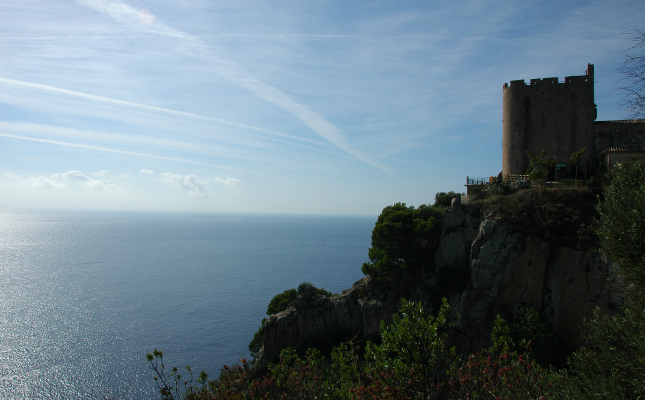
(540, 82)
(559, 118)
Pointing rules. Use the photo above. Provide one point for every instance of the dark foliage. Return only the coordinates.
(540, 167)
(565, 216)
(611, 363)
(284, 300)
(281, 302)
(622, 221)
(529, 331)
(444, 199)
(403, 238)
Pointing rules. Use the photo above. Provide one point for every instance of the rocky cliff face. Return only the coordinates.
(482, 267)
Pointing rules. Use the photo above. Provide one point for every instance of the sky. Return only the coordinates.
(305, 107)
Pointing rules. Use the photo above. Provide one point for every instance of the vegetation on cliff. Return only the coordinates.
(444, 199)
(281, 302)
(622, 221)
(413, 359)
(566, 216)
(403, 238)
(611, 364)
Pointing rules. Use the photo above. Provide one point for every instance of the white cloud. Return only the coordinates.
(146, 172)
(79, 177)
(103, 174)
(33, 182)
(232, 183)
(72, 176)
(42, 182)
(124, 176)
(190, 183)
(196, 186)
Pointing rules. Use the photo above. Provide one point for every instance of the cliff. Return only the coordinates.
(484, 268)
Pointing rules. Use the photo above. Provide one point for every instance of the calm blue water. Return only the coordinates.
(85, 295)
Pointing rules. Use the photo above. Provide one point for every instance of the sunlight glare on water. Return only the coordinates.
(84, 296)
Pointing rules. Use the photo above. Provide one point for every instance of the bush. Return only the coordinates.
(520, 184)
(565, 216)
(540, 167)
(284, 300)
(528, 330)
(413, 361)
(622, 221)
(413, 354)
(443, 199)
(403, 238)
(499, 372)
(281, 302)
(611, 363)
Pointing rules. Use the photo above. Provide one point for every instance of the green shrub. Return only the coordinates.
(622, 221)
(403, 238)
(528, 330)
(499, 372)
(611, 363)
(281, 302)
(284, 300)
(413, 354)
(540, 167)
(443, 199)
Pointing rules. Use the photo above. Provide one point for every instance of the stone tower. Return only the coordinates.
(557, 117)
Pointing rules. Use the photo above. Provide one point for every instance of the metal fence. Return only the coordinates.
(470, 181)
(515, 177)
(476, 181)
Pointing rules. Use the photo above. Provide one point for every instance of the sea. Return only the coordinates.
(85, 295)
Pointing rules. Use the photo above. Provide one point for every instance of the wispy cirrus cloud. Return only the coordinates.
(109, 100)
(136, 19)
(111, 150)
(18, 129)
(132, 17)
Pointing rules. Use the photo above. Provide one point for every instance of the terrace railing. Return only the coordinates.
(476, 181)
(515, 177)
